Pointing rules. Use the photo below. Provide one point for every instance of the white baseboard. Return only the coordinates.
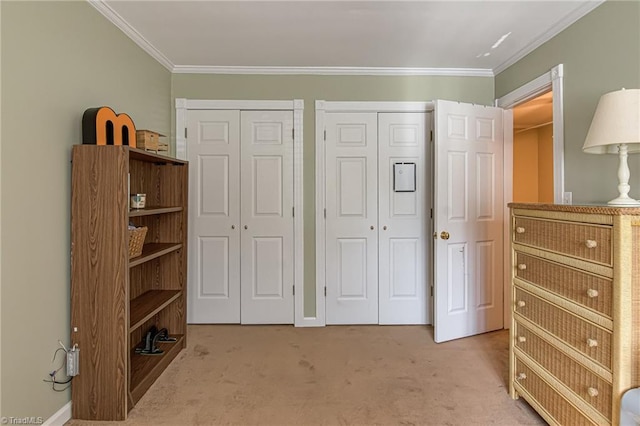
(60, 417)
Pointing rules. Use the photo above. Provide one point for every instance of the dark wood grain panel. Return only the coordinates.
(150, 303)
(170, 318)
(99, 281)
(154, 210)
(152, 251)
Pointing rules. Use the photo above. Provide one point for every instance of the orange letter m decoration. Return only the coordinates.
(101, 126)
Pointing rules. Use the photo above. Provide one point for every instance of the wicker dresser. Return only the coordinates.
(575, 332)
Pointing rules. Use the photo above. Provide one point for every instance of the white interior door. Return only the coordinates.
(468, 220)
(267, 217)
(351, 218)
(404, 203)
(213, 149)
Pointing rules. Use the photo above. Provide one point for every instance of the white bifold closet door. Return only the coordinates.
(240, 218)
(376, 243)
(352, 218)
(403, 215)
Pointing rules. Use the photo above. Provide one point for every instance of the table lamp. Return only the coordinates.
(615, 129)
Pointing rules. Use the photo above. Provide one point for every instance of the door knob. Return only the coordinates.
(444, 235)
(384, 228)
(371, 227)
(246, 227)
(233, 227)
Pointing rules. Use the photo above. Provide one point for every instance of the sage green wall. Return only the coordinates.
(58, 59)
(477, 90)
(600, 53)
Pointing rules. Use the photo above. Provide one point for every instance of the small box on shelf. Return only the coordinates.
(148, 140)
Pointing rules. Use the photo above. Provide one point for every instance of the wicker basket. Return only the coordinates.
(136, 241)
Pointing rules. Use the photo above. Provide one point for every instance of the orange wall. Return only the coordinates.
(533, 165)
(525, 167)
(545, 164)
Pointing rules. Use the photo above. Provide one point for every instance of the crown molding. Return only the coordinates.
(560, 26)
(131, 32)
(377, 71)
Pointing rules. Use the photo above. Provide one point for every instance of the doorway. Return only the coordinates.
(549, 82)
(533, 150)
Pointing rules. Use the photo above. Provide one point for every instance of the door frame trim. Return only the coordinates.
(551, 80)
(323, 107)
(183, 106)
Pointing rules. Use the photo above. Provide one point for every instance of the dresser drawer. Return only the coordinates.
(590, 387)
(587, 338)
(591, 291)
(559, 408)
(589, 242)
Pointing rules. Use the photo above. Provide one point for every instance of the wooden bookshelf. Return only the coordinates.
(115, 300)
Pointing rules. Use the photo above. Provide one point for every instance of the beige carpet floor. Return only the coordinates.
(350, 375)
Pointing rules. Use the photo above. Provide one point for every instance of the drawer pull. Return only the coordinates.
(522, 266)
(519, 230)
(521, 376)
(592, 293)
(591, 244)
(521, 304)
(592, 343)
(522, 339)
(592, 392)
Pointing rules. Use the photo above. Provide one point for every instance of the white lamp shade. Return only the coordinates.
(616, 121)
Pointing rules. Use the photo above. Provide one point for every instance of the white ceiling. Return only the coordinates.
(418, 36)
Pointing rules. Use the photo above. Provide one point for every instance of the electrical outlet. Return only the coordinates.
(73, 363)
(567, 198)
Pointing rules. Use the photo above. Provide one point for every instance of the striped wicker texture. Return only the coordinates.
(567, 327)
(566, 237)
(565, 369)
(567, 282)
(561, 410)
(136, 241)
(635, 295)
(614, 211)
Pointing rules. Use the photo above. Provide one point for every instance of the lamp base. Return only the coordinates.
(624, 201)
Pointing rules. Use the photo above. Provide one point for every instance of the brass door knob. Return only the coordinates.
(444, 235)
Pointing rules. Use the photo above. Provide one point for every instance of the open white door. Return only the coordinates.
(468, 220)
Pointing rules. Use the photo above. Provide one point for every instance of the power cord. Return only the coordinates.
(52, 376)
